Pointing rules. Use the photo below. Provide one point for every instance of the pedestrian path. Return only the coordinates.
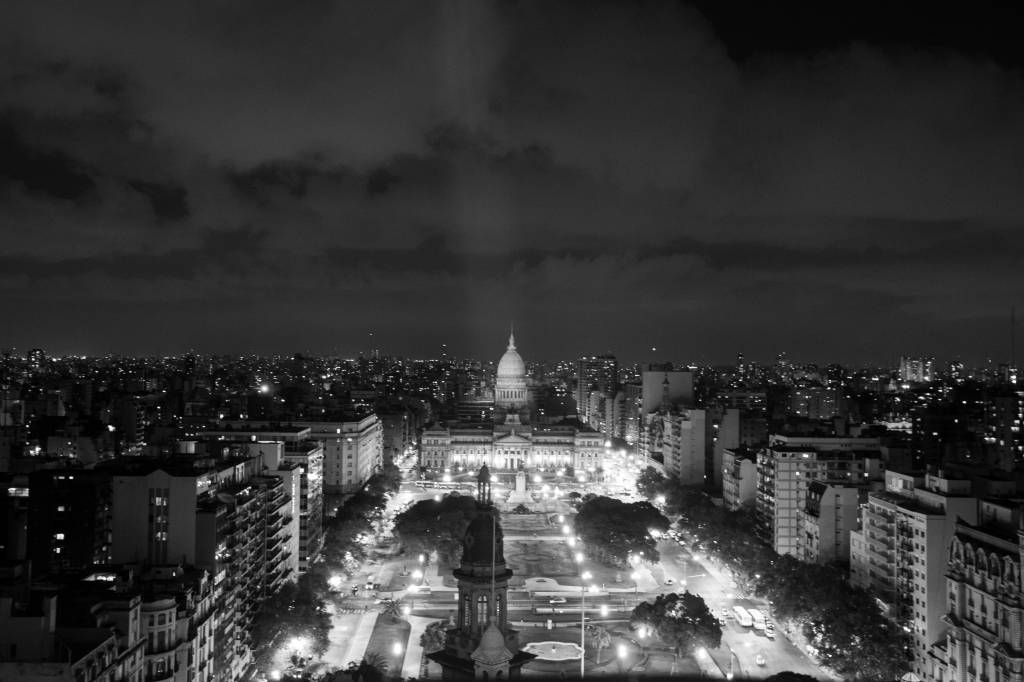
(358, 637)
(414, 651)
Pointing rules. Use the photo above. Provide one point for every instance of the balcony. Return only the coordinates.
(879, 544)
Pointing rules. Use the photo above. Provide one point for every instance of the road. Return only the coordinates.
(738, 654)
(740, 645)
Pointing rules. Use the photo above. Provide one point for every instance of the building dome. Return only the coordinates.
(510, 392)
(492, 649)
(483, 532)
(511, 365)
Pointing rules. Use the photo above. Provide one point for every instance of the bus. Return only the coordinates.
(758, 618)
(742, 616)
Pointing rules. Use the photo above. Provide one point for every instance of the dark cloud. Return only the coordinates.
(610, 173)
(41, 171)
(168, 201)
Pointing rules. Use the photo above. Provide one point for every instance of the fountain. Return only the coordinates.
(554, 651)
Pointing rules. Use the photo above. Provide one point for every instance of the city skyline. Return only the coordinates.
(701, 178)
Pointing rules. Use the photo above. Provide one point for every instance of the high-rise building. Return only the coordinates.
(679, 441)
(68, 520)
(901, 551)
(916, 370)
(787, 467)
(598, 373)
(739, 478)
(830, 513)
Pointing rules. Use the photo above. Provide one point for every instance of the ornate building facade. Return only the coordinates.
(985, 607)
(510, 443)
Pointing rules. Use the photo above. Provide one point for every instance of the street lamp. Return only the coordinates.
(584, 577)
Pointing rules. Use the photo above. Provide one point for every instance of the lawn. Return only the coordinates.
(386, 632)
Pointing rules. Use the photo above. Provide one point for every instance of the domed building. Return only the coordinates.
(508, 444)
(510, 392)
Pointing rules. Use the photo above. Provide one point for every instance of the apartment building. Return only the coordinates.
(295, 446)
(901, 551)
(984, 605)
(223, 516)
(308, 456)
(830, 513)
(739, 478)
(683, 445)
(353, 449)
(789, 464)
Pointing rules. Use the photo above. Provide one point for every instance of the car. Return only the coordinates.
(670, 581)
(723, 614)
(556, 600)
(769, 630)
(761, 659)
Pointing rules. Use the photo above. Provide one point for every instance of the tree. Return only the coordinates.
(598, 637)
(433, 637)
(296, 609)
(682, 620)
(372, 668)
(612, 530)
(391, 608)
(650, 483)
(439, 526)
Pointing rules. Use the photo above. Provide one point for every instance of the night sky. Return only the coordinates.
(843, 184)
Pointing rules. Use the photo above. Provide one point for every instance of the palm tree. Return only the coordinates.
(392, 608)
(372, 668)
(599, 637)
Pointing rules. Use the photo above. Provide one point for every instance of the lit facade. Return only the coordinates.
(901, 552)
(739, 479)
(830, 513)
(511, 445)
(789, 464)
(984, 604)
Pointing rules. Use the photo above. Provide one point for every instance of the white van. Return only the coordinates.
(742, 616)
(758, 618)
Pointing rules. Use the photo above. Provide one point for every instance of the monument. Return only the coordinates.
(482, 646)
(520, 495)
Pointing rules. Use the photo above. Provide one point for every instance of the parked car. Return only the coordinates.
(557, 600)
(670, 581)
(761, 659)
(769, 630)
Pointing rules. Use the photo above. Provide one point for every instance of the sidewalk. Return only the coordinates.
(413, 650)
